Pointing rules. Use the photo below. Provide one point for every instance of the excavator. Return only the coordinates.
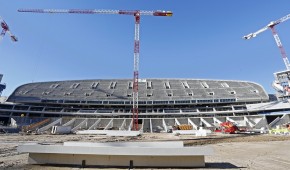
(228, 127)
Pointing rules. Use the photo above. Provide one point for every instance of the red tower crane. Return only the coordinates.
(136, 14)
(5, 29)
(272, 25)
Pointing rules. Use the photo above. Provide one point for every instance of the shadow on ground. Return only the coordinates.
(222, 165)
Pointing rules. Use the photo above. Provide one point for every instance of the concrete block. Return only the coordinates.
(138, 154)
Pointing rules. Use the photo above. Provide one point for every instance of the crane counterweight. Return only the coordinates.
(246, 37)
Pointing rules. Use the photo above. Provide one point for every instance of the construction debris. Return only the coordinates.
(281, 130)
(61, 130)
(34, 126)
(183, 127)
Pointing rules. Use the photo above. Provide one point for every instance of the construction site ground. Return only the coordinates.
(231, 151)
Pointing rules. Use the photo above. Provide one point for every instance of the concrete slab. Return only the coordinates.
(191, 132)
(171, 144)
(148, 151)
(108, 132)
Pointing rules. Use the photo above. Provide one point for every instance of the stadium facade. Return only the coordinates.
(206, 102)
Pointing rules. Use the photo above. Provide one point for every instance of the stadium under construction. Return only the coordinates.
(158, 104)
(163, 103)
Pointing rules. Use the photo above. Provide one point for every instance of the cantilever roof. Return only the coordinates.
(149, 89)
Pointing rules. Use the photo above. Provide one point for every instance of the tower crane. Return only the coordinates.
(271, 26)
(5, 29)
(136, 14)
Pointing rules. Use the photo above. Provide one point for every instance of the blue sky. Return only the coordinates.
(202, 40)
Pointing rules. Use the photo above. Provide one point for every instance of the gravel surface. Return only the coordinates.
(231, 151)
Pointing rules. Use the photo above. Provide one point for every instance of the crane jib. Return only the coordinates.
(99, 11)
(271, 26)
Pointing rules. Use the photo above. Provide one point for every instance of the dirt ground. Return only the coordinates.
(231, 151)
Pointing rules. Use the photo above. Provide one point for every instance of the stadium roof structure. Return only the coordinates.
(151, 91)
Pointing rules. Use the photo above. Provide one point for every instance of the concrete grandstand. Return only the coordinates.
(107, 104)
(155, 96)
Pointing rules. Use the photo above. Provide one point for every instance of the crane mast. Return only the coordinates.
(271, 26)
(281, 48)
(136, 14)
(136, 71)
(5, 29)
